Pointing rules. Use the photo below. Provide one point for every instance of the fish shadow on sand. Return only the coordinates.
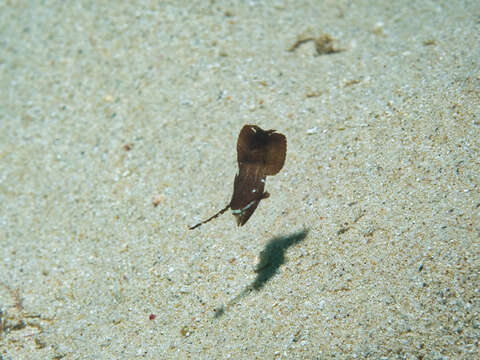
(271, 258)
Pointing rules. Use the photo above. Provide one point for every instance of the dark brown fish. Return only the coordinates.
(260, 153)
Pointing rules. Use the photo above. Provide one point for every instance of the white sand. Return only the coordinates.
(382, 170)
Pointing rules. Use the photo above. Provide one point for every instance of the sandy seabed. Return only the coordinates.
(118, 124)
